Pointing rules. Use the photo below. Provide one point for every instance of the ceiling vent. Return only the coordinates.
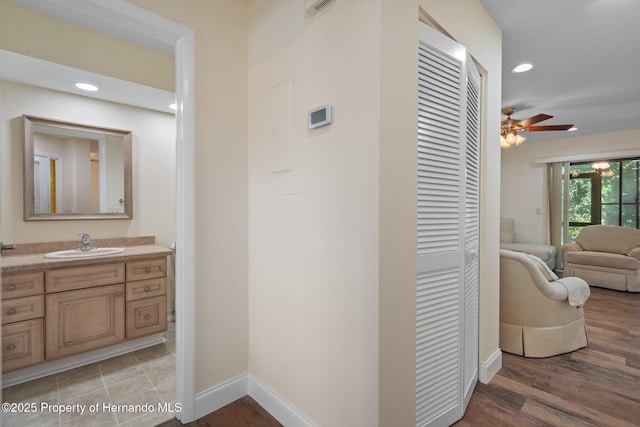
(315, 6)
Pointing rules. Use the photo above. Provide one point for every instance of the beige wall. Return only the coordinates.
(348, 205)
(31, 33)
(313, 230)
(521, 175)
(220, 29)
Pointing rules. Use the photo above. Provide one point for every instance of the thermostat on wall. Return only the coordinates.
(320, 116)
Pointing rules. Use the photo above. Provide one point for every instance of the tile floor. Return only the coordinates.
(144, 376)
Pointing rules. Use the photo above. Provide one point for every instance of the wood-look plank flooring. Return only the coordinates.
(595, 386)
(244, 412)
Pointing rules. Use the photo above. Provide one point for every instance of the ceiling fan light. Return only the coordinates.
(601, 165)
(522, 68)
(503, 142)
(519, 139)
(511, 138)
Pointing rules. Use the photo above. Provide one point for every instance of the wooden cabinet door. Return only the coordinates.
(146, 316)
(83, 320)
(22, 345)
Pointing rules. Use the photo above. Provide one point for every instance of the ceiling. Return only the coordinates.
(586, 58)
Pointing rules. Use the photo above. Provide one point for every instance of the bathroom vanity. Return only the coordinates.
(59, 309)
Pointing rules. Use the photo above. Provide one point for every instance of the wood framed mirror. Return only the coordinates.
(76, 171)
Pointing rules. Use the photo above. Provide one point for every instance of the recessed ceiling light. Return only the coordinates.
(87, 86)
(572, 129)
(521, 68)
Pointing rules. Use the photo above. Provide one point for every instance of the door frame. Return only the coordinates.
(125, 20)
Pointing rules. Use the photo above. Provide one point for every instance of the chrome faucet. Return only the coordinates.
(86, 242)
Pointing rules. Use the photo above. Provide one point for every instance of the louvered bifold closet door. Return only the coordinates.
(471, 231)
(440, 238)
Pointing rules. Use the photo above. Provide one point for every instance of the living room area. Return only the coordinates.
(570, 196)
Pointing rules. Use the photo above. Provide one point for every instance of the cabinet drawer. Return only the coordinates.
(83, 320)
(146, 269)
(22, 344)
(15, 310)
(146, 289)
(146, 316)
(22, 285)
(84, 277)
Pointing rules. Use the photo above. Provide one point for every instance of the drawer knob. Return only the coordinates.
(11, 311)
(147, 289)
(147, 317)
(119, 294)
(147, 269)
(11, 287)
(11, 347)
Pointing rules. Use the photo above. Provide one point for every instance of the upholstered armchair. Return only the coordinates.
(540, 315)
(508, 241)
(607, 256)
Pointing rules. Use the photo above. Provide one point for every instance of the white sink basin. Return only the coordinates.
(77, 253)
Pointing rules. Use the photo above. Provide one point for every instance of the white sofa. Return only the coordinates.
(606, 256)
(508, 241)
(540, 315)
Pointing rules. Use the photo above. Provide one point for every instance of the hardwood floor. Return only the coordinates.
(598, 385)
(595, 386)
(243, 412)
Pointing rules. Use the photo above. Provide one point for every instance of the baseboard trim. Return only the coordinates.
(279, 408)
(221, 394)
(71, 362)
(490, 367)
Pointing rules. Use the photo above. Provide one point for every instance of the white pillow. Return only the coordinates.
(543, 267)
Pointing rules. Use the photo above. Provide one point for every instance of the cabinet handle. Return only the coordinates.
(11, 287)
(147, 289)
(147, 269)
(147, 317)
(119, 294)
(11, 347)
(11, 311)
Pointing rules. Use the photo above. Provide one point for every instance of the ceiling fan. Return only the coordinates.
(509, 127)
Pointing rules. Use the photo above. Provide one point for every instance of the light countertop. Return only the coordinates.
(37, 261)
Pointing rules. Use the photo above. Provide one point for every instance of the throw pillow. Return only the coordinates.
(543, 267)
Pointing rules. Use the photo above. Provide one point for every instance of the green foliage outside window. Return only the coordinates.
(596, 197)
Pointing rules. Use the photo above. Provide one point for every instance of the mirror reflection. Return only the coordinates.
(75, 171)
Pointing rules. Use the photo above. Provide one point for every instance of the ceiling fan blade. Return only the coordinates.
(551, 127)
(533, 120)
